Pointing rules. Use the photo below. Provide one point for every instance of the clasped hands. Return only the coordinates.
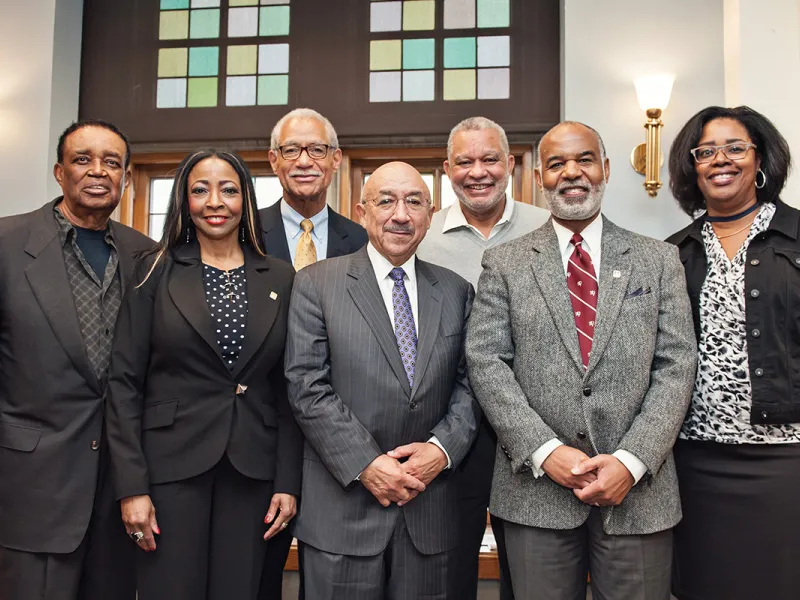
(600, 481)
(390, 480)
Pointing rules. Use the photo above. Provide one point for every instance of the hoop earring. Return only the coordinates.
(763, 181)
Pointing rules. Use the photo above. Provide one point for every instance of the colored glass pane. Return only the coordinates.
(242, 60)
(204, 62)
(172, 62)
(202, 92)
(385, 16)
(205, 3)
(385, 55)
(418, 86)
(419, 15)
(459, 53)
(243, 22)
(494, 84)
(273, 90)
(459, 84)
(174, 4)
(273, 58)
(494, 13)
(171, 93)
(384, 87)
(494, 51)
(205, 24)
(418, 54)
(173, 25)
(242, 2)
(274, 1)
(459, 14)
(274, 20)
(240, 91)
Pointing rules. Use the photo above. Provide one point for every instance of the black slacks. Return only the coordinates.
(274, 561)
(101, 568)
(474, 481)
(211, 544)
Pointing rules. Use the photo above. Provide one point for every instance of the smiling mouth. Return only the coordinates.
(216, 220)
(479, 187)
(723, 177)
(96, 189)
(573, 192)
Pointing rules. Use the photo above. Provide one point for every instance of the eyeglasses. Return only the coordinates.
(315, 151)
(734, 151)
(389, 205)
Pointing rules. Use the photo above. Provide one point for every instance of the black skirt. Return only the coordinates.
(740, 534)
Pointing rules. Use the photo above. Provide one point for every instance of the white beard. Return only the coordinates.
(569, 210)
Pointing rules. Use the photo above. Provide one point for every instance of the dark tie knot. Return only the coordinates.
(397, 274)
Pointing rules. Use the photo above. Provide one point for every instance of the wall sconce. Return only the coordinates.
(653, 92)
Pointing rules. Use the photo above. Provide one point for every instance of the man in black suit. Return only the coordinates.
(64, 270)
(301, 229)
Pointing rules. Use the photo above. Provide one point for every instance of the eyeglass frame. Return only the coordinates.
(396, 202)
(718, 149)
(327, 147)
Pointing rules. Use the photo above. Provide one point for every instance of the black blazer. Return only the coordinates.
(344, 235)
(772, 299)
(51, 403)
(174, 410)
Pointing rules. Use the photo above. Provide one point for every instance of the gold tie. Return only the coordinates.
(306, 253)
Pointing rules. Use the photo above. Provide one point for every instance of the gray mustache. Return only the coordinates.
(399, 229)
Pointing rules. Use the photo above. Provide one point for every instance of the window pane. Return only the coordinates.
(156, 226)
(160, 189)
(449, 196)
(268, 190)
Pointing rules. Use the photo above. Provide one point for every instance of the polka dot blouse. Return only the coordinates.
(226, 296)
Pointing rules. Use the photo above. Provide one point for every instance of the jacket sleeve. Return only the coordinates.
(490, 357)
(654, 430)
(342, 442)
(459, 427)
(130, 357)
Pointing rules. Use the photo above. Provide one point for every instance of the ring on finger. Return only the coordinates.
(136, 536)
(284, 525)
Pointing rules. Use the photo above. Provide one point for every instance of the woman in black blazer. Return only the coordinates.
(206, 454)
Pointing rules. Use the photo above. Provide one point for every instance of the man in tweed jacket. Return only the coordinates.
(582, 355)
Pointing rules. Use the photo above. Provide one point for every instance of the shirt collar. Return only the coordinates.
(455, 216)
(66, 230)
(382, 266)
(592, 235)
(294, 218)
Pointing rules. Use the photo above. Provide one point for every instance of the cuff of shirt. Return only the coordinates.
(633, 464)
(538, 457)
(435, 440)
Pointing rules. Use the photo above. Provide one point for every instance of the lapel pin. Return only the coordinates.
(240, 389)
(274, 296)
(616, 274)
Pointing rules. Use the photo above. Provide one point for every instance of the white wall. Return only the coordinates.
(605, 46)
(39, 67)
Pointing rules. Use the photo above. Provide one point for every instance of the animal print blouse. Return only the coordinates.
(722, 396)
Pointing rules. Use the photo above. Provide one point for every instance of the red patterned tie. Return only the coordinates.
(582, 284)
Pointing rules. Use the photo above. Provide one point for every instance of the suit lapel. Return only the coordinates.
(429, 297)
(548, 272)
(615, 271)
(262, 308)
(363, 289)
(187, 292)
(337, 246)
(125, 260)
(47, 276)
(275, 233)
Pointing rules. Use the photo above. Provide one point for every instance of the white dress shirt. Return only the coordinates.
(592, 237)
(291, 225)
(382, 268)
(455, 219)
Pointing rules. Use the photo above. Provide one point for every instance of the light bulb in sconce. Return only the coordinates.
(653, 93)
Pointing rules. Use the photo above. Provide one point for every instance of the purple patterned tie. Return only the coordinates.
(404, 329)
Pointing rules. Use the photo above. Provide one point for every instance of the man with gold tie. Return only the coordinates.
(301, 228)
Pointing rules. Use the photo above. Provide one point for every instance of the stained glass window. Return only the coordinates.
(223, 52)
(466, 57)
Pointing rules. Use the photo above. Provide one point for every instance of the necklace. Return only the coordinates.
(727, 235)
(735, 217)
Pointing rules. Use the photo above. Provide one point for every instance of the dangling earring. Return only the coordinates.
(188, 236)
(241, 233)
(763, 181)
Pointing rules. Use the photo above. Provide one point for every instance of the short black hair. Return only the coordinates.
(771, 147)
(77, 125)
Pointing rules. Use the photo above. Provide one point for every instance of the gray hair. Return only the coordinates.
(477, 124)
(538, 164)
(303, 113)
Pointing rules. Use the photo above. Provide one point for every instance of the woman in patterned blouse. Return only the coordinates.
(738, 454)
(198, 420)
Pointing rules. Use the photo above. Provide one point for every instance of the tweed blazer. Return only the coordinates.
(352, 400)
(526, 368)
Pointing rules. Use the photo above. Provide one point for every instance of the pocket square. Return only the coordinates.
(637, 293)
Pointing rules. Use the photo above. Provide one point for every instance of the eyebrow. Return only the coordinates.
(106, 153)
(221, 181)
(728, 141)
(581, 155)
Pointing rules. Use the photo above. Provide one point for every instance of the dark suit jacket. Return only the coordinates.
(350, 393)
(174, 411)
(344, 236)
(51, 403)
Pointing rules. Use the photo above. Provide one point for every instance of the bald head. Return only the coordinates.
(569, 126)
(395, 210)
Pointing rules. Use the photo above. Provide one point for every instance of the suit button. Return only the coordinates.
(755, 293)
(95, 444)
(759, 372)
(756, 333)
(581, 435)
(413, 405)
(764, 414)
(587, 392)
(528, 463)
(797, 260)
(755, 262)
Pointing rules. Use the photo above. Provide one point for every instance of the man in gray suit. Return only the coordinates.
(582, 354)
(377, 380)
